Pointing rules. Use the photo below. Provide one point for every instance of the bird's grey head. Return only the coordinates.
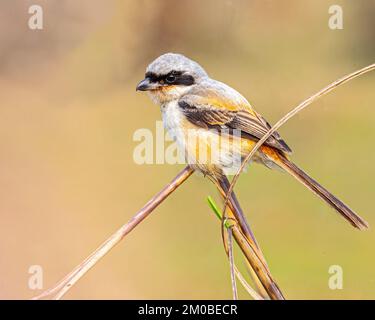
(171, 75)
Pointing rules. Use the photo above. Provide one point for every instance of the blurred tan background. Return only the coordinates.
(68, 111)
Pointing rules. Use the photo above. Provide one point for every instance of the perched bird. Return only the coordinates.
(201, 113)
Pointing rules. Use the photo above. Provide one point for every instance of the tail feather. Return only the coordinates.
(323, 193)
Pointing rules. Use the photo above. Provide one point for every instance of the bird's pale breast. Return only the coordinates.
(209, 151)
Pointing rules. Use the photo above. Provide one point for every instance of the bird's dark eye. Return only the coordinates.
(170, 78)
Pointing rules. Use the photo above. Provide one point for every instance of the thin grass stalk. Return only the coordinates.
(251, 253)
(231, 264)
(288, 116)
(258, 285)
(264, 276)
(254, 294)
(254, 244)
(63, 286)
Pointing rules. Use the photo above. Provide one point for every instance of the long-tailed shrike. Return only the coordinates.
(214, 125)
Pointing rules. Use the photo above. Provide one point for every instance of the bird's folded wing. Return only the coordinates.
(215, 111)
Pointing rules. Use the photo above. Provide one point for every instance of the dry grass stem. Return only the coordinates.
(62, 287)
(248, 246)
(252, 253)
(231, 263)
(262, 273)
(234, 271)
(288, 116)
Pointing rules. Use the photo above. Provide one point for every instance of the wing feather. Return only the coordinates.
(211, 108)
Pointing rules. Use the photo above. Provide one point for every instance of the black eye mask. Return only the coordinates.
(172, 78)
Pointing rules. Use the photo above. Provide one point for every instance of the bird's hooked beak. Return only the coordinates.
(146, 85)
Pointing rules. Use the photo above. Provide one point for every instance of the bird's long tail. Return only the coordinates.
(322, 192)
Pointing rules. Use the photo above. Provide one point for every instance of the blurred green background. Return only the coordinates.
(68, 111)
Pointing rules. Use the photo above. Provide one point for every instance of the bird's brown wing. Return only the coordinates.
(215, 113)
